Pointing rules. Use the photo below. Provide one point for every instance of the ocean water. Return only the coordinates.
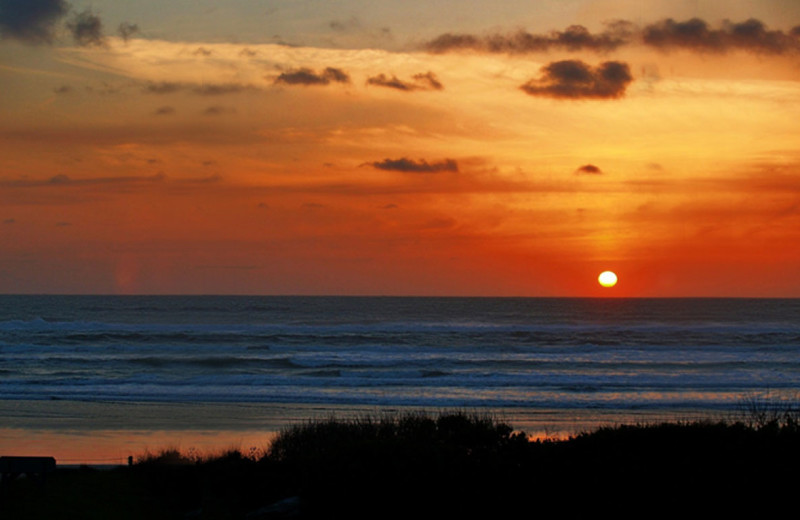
(525, 353)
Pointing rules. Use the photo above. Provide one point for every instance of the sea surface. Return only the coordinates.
(432, 353)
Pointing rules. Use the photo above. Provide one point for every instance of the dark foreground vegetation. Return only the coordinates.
(445, 466)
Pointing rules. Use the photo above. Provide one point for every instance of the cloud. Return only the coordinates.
(694, 34)
(589, 169)
(573, 38)
(305, 76)
(31, 21)
(59, 179)
(411, 166)
(206, 89)
(127, 29)
(218, 89)
(66, 181)
(210, 179)
(63, 89)
(426, 81)
(353, 31)
(86, 29)
(382, 80)
(164, 87)
(165, 111)
(429, 79)
(217, 110)
(345, 25)
(574, 79)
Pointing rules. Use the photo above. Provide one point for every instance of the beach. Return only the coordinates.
(106, 434)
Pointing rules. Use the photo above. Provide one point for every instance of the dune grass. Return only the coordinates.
(448, 464)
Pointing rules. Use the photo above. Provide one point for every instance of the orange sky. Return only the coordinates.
(344, 149)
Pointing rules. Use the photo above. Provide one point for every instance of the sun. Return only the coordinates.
(607, 279)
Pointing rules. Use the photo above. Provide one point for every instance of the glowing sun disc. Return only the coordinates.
(607, 279)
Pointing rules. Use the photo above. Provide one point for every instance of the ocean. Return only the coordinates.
(76, 361)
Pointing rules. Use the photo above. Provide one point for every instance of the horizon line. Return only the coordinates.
(419, 296)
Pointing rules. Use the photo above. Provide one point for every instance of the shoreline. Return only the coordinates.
(100, 433)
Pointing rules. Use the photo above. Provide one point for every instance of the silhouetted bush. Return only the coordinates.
(408, 459)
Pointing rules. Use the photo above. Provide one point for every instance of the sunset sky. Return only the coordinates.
(451, 147)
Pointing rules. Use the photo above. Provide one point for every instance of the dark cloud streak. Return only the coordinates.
(589, 169)
(429, 79)
(426, 81)
(64, 180)
(694, 34)
(218, 110)
(206, 89)
(574, 79)
(219, 89)
(164, 87)
(165, 111)
(305, 76)
(411, 166)
(574, 38)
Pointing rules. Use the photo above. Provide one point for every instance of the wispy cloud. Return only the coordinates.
(63, 180)
(421, 166)
(164, 87)
(421, 81)
(127, 29)
(574, 79)
(217, 110)
(589, 169)
(219, 89)
(306, 76)
(165, 111)
(204, 89)
(86, 29)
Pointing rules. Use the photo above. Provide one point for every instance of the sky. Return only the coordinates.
(449, 148)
